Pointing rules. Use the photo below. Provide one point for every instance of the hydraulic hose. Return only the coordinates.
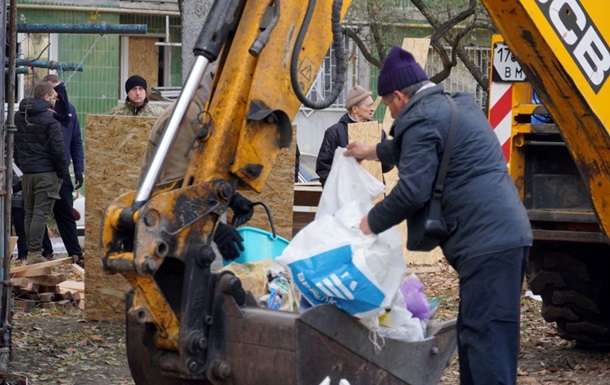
(339, 56)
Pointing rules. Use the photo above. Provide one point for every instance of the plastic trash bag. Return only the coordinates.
(332, 261)
(347, 182)
(415, 299)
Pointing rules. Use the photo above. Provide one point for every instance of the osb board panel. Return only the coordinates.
(115, 147)
(278, 194)
(144, 59)
(419, 49)
(367, 132)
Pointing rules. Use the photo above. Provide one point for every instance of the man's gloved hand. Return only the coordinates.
(228, 241)
(78, 181)
(242, 209)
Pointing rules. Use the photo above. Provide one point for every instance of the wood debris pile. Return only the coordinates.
(37, 285)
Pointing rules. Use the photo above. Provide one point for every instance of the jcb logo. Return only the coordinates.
(580, 37)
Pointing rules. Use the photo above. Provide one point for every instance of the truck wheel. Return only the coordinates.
(574, 282)
(139, 355)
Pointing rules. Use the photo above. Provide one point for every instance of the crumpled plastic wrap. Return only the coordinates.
(269, 282)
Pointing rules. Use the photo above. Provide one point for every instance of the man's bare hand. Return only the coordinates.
(364, 225)
(361, 151)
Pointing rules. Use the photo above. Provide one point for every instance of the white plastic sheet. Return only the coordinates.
(347, 182)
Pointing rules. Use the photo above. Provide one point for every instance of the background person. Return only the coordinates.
(490, 245)
(63, 210)
(136, 103)
(39, 153)
(360, 108)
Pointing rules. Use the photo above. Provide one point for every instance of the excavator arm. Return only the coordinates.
(159, 237)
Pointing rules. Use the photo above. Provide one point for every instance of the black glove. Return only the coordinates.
(242, 209)
(78, 181)
(228, 241)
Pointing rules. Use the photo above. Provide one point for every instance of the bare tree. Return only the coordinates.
(376, 25)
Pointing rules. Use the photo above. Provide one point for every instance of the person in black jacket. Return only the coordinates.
(490, 245)
(63, 209)
(360, 108)
(39, 153)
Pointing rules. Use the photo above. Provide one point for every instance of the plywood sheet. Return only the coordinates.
(144, 59)
(370, 133)
(115, 147)
(278, 194)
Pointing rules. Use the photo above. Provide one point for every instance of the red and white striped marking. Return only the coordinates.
(500, 114)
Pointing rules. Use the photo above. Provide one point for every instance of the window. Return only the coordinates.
(323, 83)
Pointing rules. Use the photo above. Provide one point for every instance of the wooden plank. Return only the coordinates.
(48, 280)
(307, 195)
(78, 270)
(33, 273)
(46, 297)
(18, 271)
(71, 286)
(25, 304)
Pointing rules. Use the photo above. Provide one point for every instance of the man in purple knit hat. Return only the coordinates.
(490, 242)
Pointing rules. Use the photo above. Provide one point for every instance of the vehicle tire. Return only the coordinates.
(139, 355)
(574, 282)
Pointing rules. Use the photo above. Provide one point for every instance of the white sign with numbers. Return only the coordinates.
(506, 66)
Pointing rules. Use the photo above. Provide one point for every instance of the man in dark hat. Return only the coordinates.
(360, 108)
(490, 244)
(136, 103)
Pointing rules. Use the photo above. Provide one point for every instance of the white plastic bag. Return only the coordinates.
(332, 261)
(347, 182)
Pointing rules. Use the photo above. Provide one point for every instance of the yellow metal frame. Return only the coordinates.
(578, 106)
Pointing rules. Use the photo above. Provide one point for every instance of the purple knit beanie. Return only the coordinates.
(399, 71)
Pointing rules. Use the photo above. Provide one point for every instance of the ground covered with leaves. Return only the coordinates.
(59, 347)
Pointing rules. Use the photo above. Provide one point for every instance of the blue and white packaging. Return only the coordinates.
(332, 261)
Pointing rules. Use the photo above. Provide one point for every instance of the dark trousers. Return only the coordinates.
(489, 315)
(18, 219)
(64, 217)
(40, 191)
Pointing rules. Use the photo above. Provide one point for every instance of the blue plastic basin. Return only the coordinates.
(258, 245)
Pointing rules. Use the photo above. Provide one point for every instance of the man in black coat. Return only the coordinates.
(73, 145)
(360, 108)
(490, 244)
(39, 153)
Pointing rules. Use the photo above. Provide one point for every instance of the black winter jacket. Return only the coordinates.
(479, 194)
(337, 136)
(39, 143)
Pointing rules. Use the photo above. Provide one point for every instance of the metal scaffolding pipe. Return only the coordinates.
(54, 65)
(83, 28)
(19, 71)
(123, 11)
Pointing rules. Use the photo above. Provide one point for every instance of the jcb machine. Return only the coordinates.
(562, 168)
(186, 325)
(189, 326)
